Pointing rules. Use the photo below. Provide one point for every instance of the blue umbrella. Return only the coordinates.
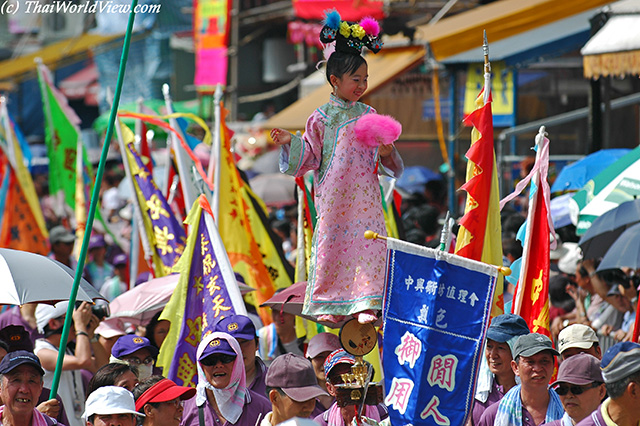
(576, 175)
(625, 252)
(606, 229)
(414, 178)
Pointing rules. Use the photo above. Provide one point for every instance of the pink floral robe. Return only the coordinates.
(346, 275)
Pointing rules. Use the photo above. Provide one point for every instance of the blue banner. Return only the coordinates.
(436, 310)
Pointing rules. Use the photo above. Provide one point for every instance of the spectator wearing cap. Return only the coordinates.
(620, 367)
(578, 338)
(242, 329)
(617, 298)
(580, 387)
(109, 331)
(292, 388)
(110, 406)
(318, 349)
(62, 241)
(20, 386)
(137, 351)
(98, 268)
(531, 402)
(279, 337)
(88, 354)
(222, 397)
(23, 316)
(160, 400)
(119, 283)
(337, 363)
(19, 341)
(114, 374)
(496, 377)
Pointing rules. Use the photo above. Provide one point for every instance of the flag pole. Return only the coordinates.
(370, 235)
(214, 160)
(94, 203)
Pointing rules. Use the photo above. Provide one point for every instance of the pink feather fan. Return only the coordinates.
(376, 129)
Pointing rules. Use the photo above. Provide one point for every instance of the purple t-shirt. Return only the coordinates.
(258, 385)
(62, 415)
(255, 408)
(489, 416)
(594, 419)
(479, 407)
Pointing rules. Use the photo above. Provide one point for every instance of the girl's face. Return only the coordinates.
(351, 87)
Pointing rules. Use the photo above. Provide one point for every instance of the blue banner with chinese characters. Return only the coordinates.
(206, 292)
(435, 313)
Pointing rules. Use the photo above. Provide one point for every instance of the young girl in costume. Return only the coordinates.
(346, 275)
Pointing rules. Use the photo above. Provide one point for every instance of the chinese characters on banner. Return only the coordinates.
(165, 233)
(211, 291)
(436, 309)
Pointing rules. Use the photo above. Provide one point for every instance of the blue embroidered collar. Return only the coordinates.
(340, 103)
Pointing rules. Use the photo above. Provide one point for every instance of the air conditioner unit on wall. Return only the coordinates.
(60, 25)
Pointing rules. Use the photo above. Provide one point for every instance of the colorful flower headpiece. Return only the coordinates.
(351, 37)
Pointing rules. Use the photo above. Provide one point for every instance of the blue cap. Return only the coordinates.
(17, 358)
(620, 361)
(239, 326)
(217, 346)
(129, 343)
(507, 326)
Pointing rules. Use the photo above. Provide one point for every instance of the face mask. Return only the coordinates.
(144, 371)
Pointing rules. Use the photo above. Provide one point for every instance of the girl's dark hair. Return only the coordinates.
(341, 63)
(151, 327)
(108, 374)
(145, 385)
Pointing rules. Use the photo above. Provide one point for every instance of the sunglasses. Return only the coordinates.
(212, 360)
(137, 361)
(576, 390)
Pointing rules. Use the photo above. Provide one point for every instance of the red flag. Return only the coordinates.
(531, 300)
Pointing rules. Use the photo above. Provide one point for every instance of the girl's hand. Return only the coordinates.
(385, 150)
(280, 136)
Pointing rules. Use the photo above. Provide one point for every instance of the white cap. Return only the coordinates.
(46, 312)
(110, 400)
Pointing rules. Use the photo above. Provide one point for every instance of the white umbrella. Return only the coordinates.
(32, 278)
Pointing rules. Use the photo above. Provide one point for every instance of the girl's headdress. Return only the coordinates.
(351, 37)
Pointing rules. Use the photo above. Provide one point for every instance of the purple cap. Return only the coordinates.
(17, 358)
(322, 342)
(120, 259)
(96, 241)
(239, 326)
(17, 338)
(129, 343)
(580, 369)
(295, 376)
(217, 346)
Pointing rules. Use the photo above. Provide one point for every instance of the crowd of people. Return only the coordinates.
(123, 386)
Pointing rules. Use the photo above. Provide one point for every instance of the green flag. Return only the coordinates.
(61, 137)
